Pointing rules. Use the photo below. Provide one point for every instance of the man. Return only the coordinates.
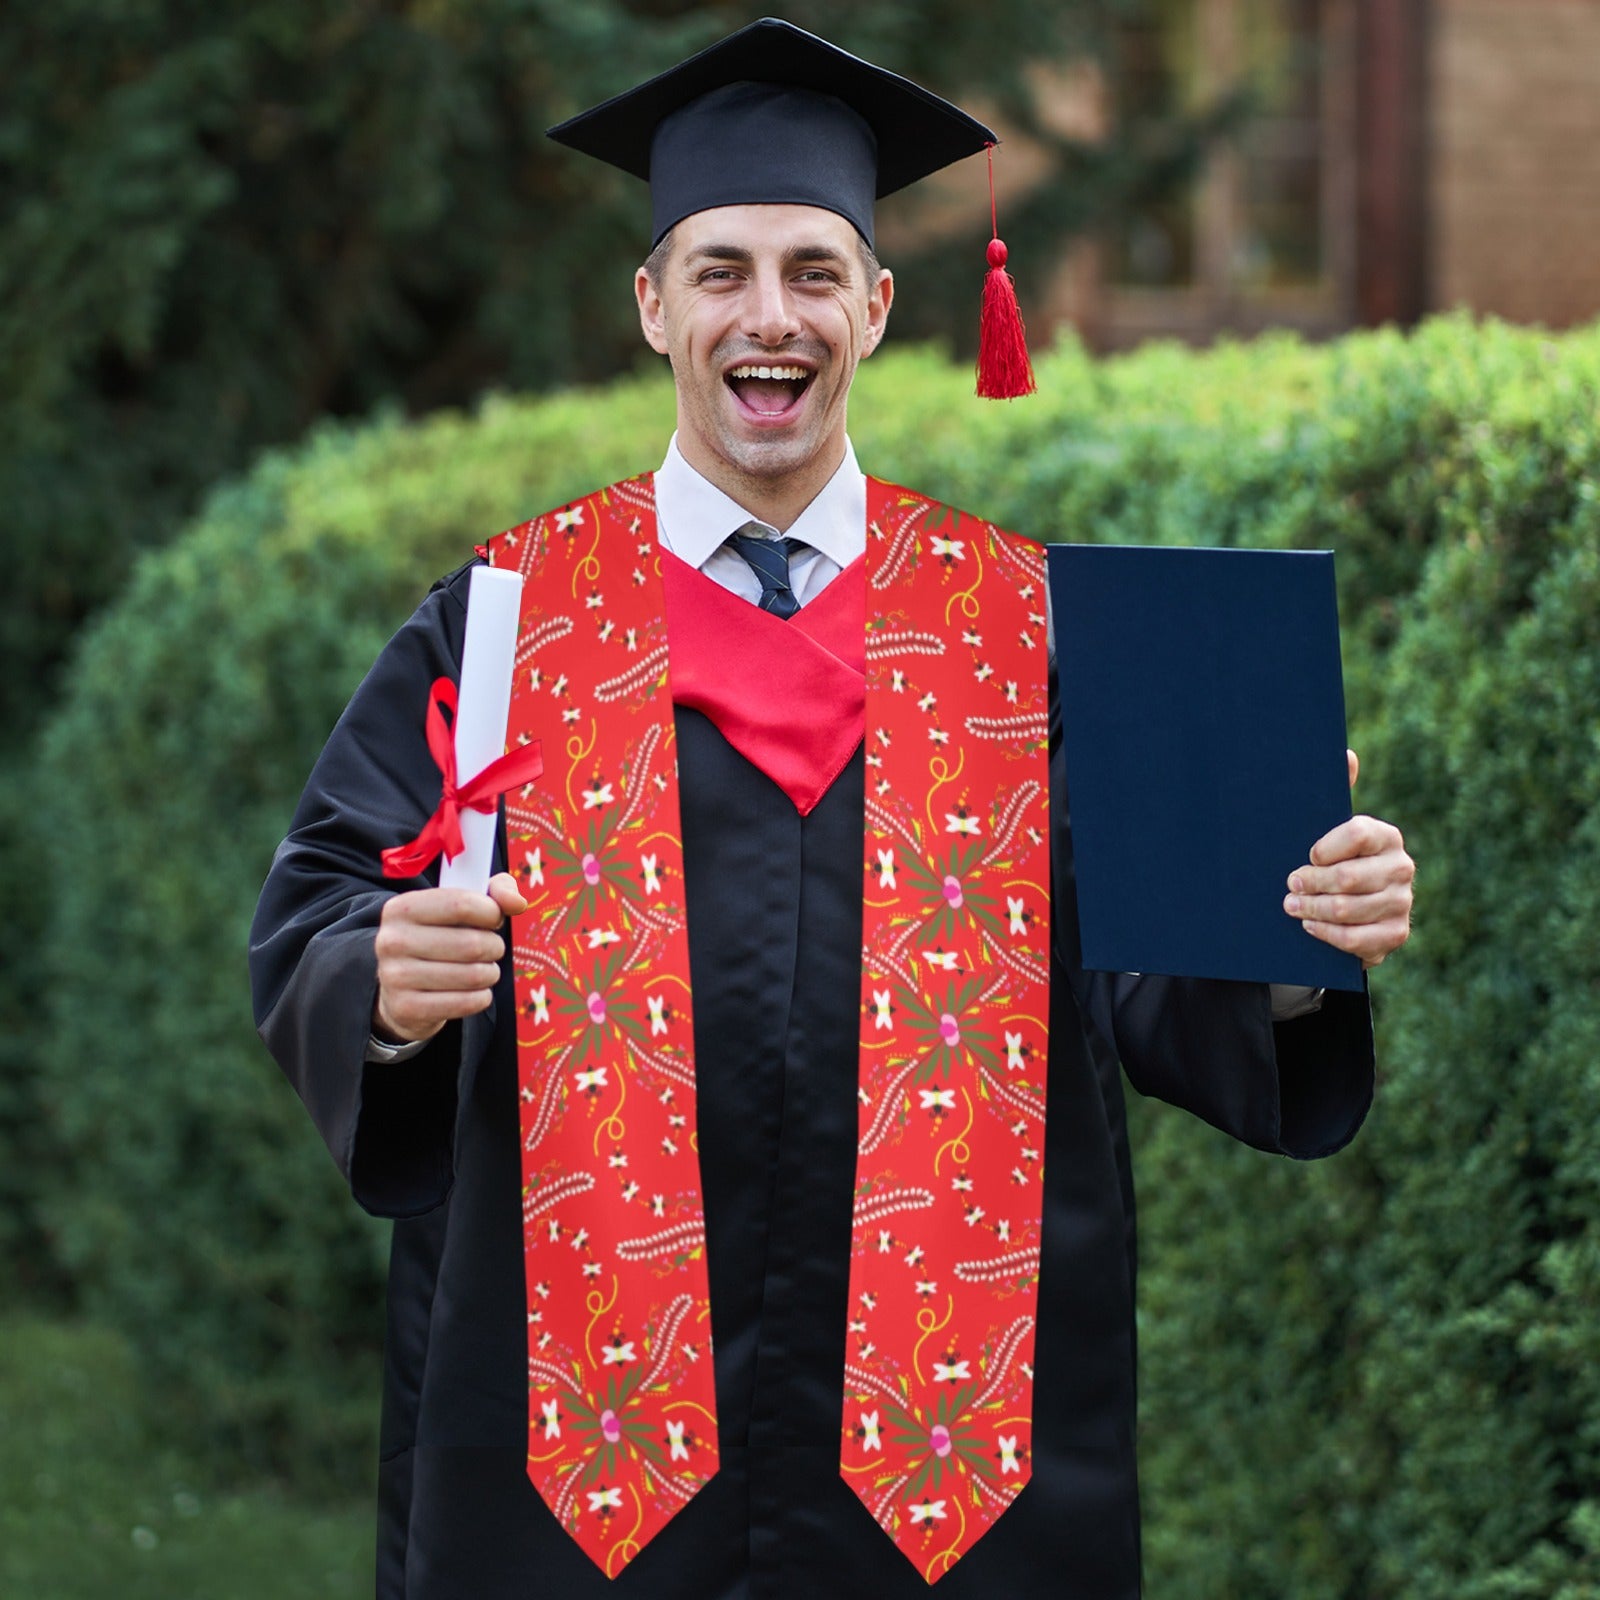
(552, 1420)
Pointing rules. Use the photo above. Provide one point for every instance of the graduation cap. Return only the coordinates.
(773, 115)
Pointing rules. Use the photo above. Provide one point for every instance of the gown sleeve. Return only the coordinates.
(390, 1127)
(1299, 1088)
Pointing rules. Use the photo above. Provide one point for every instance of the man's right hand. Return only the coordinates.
(439, 953)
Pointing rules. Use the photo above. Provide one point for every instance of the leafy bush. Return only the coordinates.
(1374, 1377)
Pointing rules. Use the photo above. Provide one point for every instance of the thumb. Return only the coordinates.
(1354, 762)
(504, 892)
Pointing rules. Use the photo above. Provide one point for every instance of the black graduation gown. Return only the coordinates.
(775, 918)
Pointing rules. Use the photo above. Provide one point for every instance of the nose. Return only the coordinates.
(771, 317)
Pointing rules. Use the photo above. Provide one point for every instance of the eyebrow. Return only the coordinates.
(796, 255)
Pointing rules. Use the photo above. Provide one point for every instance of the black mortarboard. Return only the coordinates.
(774, 115)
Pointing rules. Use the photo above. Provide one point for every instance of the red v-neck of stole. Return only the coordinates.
(789, 696)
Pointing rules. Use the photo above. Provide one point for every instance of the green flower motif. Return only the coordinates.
(593, 867)
(951, 899)
(594, 1009)
(609, 1424)
(945, 1031)
(946, 1441)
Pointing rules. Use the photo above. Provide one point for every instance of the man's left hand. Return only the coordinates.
(1355, 893)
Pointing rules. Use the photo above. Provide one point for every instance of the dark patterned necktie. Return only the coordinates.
(769, 560)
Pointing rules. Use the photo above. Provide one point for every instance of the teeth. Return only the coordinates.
(798, 374)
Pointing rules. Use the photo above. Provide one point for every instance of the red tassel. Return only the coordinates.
(1004, 370)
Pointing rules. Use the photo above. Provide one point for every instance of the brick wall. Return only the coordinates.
(1514, 177)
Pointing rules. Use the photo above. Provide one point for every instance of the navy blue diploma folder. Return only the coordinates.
(1202, 710)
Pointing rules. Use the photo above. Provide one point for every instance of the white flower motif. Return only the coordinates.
(1014, 1052)
(565, 521)
(886, 869)
(1008, 1454)
(869, 1433)
(973, 639)
(927, 702)
(680, 1451)
(592, 1080)
(604, 1499)
(928, 1511)
(951, 549)
(613, 1355)
(607, 628)
(898, 681)
(1011, 691)
(603, 936)
(881, 1017)
(1019, 922)
(571, 714)
(950, 1372)
(552, 1421)
(541, 1004)
(954, 822)
(595, 601)
(559, 687)
(658, 1013)
(938, 1099)
(942, 960)
(939, 735)
(885, 1241)
(652, 876)
(598, 796)
(535, 868)
(914, 1255)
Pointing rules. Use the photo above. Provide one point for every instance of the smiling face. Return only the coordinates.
(764, 311)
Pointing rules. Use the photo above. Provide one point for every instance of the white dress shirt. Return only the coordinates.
(694, 518)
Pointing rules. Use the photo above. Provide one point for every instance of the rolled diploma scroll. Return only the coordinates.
(494, 601)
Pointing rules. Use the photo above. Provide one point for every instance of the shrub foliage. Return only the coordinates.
(1374, 1377)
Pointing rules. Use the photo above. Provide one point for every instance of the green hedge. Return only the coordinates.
(1374, 1377)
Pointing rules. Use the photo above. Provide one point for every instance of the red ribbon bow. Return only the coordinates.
(442, 831)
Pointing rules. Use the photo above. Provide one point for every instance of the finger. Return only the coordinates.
(1371, 942)
(1360, 836)
(415, 1015)
(1357, 875)
(1385, 905)
(1353, 761)
(410, 975)
(451, 908)
(426, 941)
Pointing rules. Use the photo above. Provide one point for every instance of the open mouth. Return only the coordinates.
(769, 391)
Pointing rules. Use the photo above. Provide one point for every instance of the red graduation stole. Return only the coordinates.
(943, 673)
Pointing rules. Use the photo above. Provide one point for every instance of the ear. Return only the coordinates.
(879, 299)
(652, 314)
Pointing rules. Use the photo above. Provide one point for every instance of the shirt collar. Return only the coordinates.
(694, 517)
